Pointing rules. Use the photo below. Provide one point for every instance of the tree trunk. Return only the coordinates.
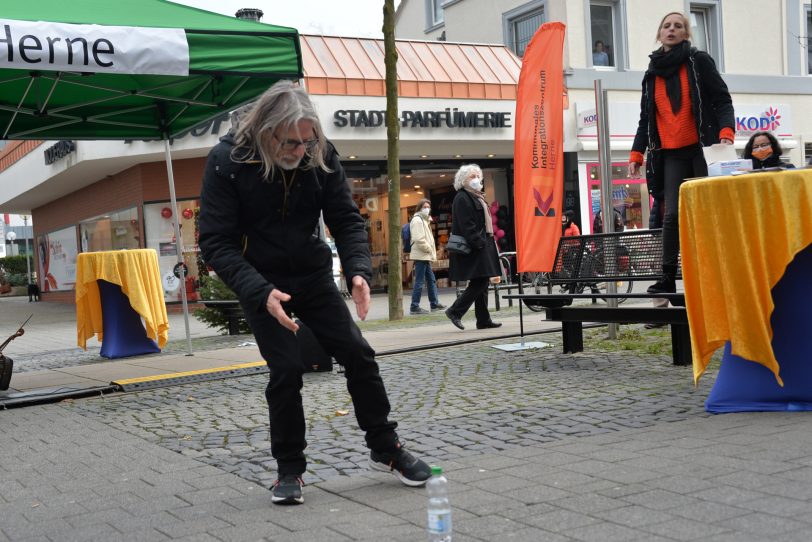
(393, 162)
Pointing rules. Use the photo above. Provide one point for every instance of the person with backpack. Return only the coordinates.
(422, 253)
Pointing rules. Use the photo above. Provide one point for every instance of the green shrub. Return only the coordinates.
(214, 288)
(13, 264)
(17, 279)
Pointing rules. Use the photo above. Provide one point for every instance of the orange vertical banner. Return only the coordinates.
(538, 154)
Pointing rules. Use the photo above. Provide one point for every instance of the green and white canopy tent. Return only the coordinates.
(147, 69)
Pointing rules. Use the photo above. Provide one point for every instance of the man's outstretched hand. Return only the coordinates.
(360, 295)
(274, 306)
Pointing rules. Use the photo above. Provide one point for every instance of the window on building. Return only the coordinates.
(809, 39)
(56, 260)
(159, 225)
(520, 24)
(706, 29)
(630, 197)
(604, 20)
(434, 12)
(114, 231)
(699, 29)
(524, 29)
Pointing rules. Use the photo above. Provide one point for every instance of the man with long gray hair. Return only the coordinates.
(264, 186)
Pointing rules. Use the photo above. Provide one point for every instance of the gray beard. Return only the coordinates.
(287, 166)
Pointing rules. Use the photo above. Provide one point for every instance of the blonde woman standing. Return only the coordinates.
(423, 252)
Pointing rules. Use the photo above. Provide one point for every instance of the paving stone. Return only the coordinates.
(633, 516)
(766, 525)
(605, 532)
(686, 529)
(556, 520)
(658, 499)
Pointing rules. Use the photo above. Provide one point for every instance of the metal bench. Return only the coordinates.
(623, 258)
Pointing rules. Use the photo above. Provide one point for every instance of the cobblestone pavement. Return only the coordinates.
(449, 402)
(594, 447)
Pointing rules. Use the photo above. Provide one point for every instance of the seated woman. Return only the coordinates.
(765, 151)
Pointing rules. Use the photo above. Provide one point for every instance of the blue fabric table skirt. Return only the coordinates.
(124, 332)
(745, 386)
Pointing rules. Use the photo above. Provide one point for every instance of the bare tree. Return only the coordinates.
(393, 161)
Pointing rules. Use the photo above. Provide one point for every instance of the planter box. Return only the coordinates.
(10, 291)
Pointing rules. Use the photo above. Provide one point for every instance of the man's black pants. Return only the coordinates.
(320, 306)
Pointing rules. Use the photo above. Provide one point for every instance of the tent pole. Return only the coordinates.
(178, 243)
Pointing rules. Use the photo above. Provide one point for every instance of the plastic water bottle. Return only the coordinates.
(439, 507)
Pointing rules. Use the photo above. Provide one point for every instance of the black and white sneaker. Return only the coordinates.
(410, 470)
(287, 490)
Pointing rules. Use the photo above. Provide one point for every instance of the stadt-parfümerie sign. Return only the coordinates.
(445, 118)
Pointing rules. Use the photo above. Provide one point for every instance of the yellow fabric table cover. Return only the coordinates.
(737, 236)
(138, 275)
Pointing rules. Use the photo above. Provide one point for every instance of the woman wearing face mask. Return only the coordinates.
(423, 253)
(471, 219)
(765, 151)
(685, 105)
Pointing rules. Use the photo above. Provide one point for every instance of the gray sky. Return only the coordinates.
(360, 18)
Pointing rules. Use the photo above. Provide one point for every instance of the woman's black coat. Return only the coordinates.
(468, 220)
(711, 105)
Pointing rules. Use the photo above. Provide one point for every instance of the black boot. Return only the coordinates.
(667, 284)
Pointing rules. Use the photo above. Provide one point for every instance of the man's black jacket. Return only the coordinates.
(249, 241)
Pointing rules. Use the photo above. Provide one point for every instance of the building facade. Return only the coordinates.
(763, 49)
(456, 105)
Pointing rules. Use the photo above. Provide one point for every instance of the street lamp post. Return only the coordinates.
(27, 261)
(11, 236)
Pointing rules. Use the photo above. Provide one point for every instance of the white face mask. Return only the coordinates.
(425, 211)
(475, 183)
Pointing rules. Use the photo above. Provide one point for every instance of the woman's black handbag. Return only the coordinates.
(457, 245)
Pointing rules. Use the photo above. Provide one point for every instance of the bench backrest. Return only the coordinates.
(628, 255)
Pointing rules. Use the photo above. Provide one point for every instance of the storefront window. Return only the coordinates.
(159, 220)
(114, 231)
(370, 195)
(629, 196)
(56, 260)
(436, 185)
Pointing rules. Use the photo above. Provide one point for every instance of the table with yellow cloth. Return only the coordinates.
(738, 234)
(137, 274)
